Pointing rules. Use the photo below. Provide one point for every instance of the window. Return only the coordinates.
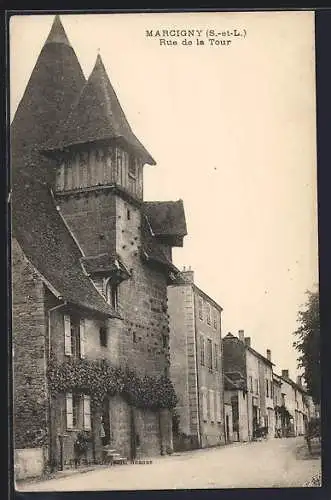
(112, 294)
(200, 305)
(267, 387)
(165, 340)
(256, 386)
(74, 336)
(76, 400)
(209, 354)
(78, 411)
(202, 350)
(128, 214)
(134, 337)
(208, 313)
(216, 358)
(132, 166)
(215, 320)
(204, 404)
(212, 405)
(103, 336)
(218, 407)
(251, 383)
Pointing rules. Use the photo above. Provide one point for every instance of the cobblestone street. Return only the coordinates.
(272, 463)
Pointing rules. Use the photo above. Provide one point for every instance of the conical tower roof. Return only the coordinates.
(57, 33)
(55, 83)
(98, 116)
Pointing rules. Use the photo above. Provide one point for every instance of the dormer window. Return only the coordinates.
(112, 294)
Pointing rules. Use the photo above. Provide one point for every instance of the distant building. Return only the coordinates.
(196, 364)
(295, 401)
(249, 387)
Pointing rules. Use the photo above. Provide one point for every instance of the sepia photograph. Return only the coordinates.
(164, 251)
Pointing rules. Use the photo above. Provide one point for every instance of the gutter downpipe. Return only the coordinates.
(50, 450)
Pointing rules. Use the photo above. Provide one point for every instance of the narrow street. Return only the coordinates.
(272, 463)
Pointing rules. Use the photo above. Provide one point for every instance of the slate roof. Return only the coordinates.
(152, 250)
(53, 87)
(97, 116)
(55, 84)
(234, 381)
(167, 218)
(104, 263)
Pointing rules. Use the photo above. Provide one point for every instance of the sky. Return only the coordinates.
(233, 131)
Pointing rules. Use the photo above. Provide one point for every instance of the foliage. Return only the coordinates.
(81, 442)
(308, 344)
(99, 378)
(30, 422)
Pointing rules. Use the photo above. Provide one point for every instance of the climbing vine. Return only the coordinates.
(99, 378)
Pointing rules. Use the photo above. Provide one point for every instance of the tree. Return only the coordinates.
(308, 344)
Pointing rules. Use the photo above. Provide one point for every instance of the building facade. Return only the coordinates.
(91, 262)
(252, 399)
(196, 363)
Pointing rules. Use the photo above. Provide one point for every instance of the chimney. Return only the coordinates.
(248, 341)
(285, 374)
(268, 355)
(241, 335)
(188, 274)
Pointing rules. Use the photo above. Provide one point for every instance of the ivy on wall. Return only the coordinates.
(99, 378)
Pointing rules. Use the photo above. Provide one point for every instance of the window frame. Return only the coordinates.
(210, 354)
(200, 307)
(103, 336)
(202, 351)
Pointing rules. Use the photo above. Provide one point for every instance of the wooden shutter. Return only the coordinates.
(204, 405)
(218, 407)
(69, 410)
(87, 412)
(82, 338)
(211, 405)
(67, 336)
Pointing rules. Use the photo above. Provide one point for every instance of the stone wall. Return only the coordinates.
(29, 349)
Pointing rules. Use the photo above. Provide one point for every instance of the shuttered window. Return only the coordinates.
(82, 338)
(218, 407)
(216, 357)
(208, 313)
(212, 405)
(202, 350)
(86, 412)
(204, 405)
(67, 336)
(209, 354)
(200, 306)
(69, 411)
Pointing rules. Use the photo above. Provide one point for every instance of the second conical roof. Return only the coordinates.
(98, 116)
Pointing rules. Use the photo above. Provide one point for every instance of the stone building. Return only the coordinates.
(248, 386)
(91, 262)
(196, 364)
(296, 404)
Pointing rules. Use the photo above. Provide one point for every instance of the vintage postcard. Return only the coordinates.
(165, 305)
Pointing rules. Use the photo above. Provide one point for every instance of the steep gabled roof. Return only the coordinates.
(167, 218)
(98, 116)
(55, 84)
(152, 250)
(47, 243)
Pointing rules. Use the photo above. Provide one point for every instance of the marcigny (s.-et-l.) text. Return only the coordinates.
(213, 37)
